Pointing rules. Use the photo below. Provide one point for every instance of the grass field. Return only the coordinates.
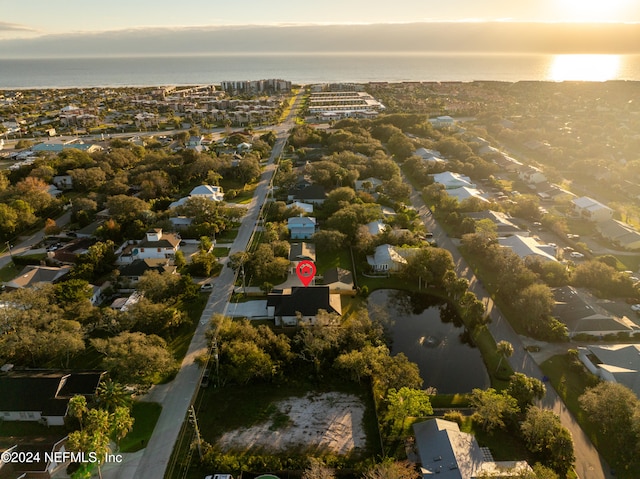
(146, 415)
(8, 272)
(181, 340)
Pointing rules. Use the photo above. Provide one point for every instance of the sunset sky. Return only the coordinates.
(81, 28)
(30, 18)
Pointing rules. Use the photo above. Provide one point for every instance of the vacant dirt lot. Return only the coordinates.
(329, 421)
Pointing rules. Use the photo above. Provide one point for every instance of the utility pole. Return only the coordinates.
(217, 358)
(9, 246)
(194, 421)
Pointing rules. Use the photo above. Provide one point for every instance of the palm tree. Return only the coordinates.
(505, 350)
(111, 395)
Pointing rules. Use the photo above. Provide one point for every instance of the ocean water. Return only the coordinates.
(312, 68)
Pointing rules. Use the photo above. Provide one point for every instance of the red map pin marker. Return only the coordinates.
(306, 271)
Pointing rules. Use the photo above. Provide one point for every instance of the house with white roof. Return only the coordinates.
(430, 156)
(532, 175)
(389, 259)
(301, 227)
(591, 210)
(464, 193)
(195, 143)
(451, 180)
(447, 453)
(156, 245)
(306, 207)
(208, 191)
(211, 192)
(369, 185)
(243, 147)
(617, 363)
(442, 122)
(619, 233)
(525, 247)
(376, 227)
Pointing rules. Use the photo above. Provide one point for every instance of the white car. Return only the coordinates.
(635, 307)
(206, 287)
(576, 255)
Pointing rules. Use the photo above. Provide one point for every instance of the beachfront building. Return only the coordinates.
(344, 103)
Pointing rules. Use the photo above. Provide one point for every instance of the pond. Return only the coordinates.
(429, 332)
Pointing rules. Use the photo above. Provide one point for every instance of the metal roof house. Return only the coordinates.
(447, 453)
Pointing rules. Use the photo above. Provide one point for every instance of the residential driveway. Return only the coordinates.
(589, 464)
(251, 309)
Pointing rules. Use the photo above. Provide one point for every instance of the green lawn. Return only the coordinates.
(8, 272)
(227, 236)
(450, 400)
(630, 262)
(570, 380)
(146, 415)
(504, 445)
(182, 338)
(487, 346)
(338, 259)
(221, 252)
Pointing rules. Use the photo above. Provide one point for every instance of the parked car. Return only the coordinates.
(206, 287)
(205, 378)
(576, 255)
(635, 307)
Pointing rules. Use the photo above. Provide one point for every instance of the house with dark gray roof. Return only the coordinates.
(578, 310)
(45, 455)
(301, 251)
(503, 222)
(314, 194)
(33, 275)
(134, 271)
(43, 395)
(339, 280)
(289, 306)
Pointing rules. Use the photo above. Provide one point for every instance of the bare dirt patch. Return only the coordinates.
(329, 422)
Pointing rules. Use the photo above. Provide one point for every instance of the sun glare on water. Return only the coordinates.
(584, 67)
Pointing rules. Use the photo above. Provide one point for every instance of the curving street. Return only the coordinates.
(589, 463)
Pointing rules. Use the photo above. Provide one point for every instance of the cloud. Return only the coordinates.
(469, 37)
(14, 27)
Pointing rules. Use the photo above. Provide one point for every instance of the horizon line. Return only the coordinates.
(470, 21)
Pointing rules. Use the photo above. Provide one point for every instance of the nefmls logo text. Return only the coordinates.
(83, 457)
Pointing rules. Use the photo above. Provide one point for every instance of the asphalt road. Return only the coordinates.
(26, 243)
(589, 463)
(177, 396)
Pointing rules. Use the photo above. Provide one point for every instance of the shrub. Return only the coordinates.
(454, 416)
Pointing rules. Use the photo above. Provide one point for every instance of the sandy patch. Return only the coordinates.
(330, 421)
